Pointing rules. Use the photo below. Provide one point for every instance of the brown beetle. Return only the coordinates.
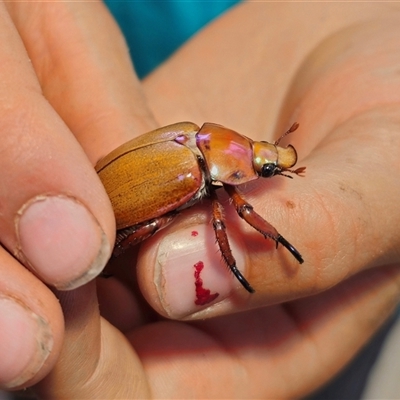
(154, 176)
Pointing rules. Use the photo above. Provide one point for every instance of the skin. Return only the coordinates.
(333, 68)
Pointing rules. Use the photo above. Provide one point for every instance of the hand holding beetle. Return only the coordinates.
(336, 216)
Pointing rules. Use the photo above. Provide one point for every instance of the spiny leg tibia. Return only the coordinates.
(135, 234)
(246, 211)
(223, 242)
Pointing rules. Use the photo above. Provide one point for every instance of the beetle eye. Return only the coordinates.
(268, 170)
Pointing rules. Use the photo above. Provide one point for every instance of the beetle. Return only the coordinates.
(151, 178)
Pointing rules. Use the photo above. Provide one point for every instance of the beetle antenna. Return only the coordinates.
(287, 176)
(299, 171)
(290, 130)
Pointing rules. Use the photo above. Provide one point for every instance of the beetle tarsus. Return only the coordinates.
(241, 278)
(280, 239)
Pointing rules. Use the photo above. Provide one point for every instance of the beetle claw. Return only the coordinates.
(280, 239)
(241, 278)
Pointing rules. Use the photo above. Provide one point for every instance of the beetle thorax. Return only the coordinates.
(228, 155)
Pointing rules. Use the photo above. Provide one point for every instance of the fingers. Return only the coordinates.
(96, 360)
(303, 344)
(48, 220)
(56, 217)
(280, 352)
(181, 271)
(85, 72)
(31, 326)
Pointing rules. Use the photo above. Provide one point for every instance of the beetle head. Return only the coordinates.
(270, 160)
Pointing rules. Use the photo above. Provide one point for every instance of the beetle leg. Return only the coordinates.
(245, 211)
(135, 234)
(223, 242)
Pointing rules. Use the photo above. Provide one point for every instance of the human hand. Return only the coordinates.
(335, 217)
(57, 66)
(337, 89)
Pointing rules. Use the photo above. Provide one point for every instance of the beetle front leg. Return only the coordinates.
(245, 211)
(135, 234)
(223, 242)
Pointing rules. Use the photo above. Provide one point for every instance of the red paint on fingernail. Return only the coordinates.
(194, 233)
(203, 296)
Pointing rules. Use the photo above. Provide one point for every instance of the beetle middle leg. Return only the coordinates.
(223, 242)
(135, 234)
(245, 211)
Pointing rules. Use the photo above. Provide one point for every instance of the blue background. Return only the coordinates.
(155, 29)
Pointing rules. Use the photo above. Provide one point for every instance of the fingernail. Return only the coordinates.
(61, 241)
(25, 343)
(190, 274)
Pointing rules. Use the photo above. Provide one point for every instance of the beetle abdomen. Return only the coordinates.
(151, 181)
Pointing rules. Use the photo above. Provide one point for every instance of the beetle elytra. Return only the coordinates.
(151, 178)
